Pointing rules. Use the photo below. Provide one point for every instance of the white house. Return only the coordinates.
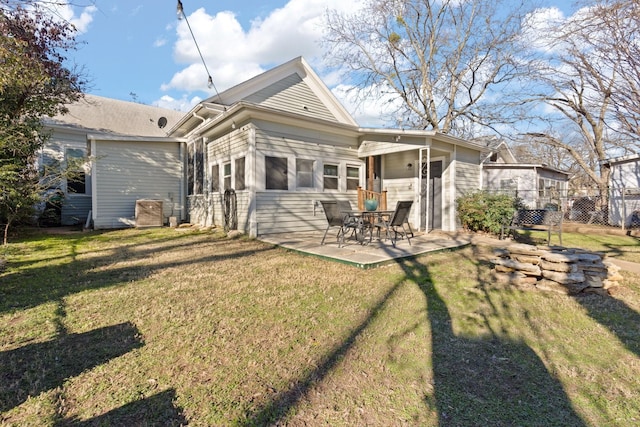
(624, 191)
(538, 185)
(120, 132)
(282, 142)
(261, 156)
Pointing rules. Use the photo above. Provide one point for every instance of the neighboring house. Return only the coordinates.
(624, 191)
(129, 140)
(282, 142)
(261, 156)
(537, 185)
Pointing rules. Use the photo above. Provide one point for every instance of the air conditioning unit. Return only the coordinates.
(149, 213)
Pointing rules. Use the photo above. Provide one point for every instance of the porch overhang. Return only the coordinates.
(378, 148)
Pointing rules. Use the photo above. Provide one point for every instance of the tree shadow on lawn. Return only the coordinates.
(493, 381)
(37, 285)
(612, 313)
(156, 410)
(35, 368)
(487, 381)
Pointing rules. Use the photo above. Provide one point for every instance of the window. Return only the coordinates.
(276, 177)
(239, 174)
(330, 177)
(195, 167)
(353, 177)
(190, 168)
(304, 173)
(77, 177)
(550, 187)
(215, 178)
(199, 167)
(227, 176)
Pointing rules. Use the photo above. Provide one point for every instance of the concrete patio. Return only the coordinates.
(367, 255)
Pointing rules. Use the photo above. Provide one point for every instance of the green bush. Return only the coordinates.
(483, 211)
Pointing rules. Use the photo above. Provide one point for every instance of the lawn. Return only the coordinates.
(169, 327)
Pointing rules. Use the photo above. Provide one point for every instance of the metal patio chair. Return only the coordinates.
(395, 225)
(334, 212)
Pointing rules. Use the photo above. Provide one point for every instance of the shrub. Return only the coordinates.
(483, 211)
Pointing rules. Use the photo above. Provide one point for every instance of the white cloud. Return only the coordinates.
(540, 28)
(66, 12)
(234, 54)
(159, 42)
(182, 104)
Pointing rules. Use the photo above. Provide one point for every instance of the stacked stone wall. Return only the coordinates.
(566, 270)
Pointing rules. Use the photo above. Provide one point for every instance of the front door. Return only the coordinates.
(431, 197)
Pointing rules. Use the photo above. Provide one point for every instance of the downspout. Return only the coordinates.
(194, 114)
(452, 192)
(252, 214)
(184, 214)
(94, 179)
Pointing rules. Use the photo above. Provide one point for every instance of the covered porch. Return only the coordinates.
(417, 166)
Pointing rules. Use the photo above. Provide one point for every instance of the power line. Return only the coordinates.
(181, 14)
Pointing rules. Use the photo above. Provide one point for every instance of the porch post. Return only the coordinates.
(370, 174)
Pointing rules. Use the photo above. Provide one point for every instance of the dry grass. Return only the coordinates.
(165, 327)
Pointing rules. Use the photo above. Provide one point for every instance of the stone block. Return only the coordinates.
(563, 278)
(528, 259)
(559, 266)
(524, 249)
(560, 257)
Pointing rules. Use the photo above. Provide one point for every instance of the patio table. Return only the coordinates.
(364, 222)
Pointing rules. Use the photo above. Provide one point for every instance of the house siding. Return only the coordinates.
(208, 208)
(75, 207)
(293, 212)
(467, 172)
(294, 95)
(129, 171)
(525, 179)
(279, 211)
(624, 197)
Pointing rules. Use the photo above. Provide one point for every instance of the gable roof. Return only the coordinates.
(105, 115)
(292, 87)
(494, 145)
(256, 89)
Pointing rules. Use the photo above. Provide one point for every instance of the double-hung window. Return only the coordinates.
(215, 178)
(330, 176)
(304, 173)
(353, 178)
(227, 176)
(239, 174)
(276, 173)
(77, 177)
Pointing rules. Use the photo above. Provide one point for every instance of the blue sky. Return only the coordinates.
(139, 50)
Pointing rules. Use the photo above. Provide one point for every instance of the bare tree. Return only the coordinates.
(615, 35)
(444, 61)
(580, 81)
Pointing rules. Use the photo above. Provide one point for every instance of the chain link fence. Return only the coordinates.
(584, 206)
